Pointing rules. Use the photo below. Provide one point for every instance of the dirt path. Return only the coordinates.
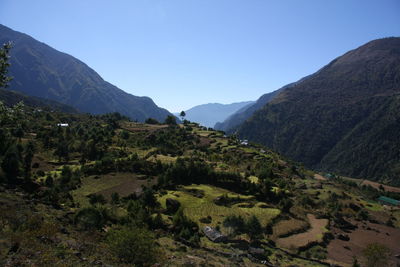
(319, 177)
(315, 233)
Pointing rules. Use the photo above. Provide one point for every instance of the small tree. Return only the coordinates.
(89, 218)
(29, 152)
(115, 198)
(376, 255)
(148, 198)
(182, 114)
(235, 222)
(62, 151)
(254, 228)
(286, 204)
(170, 120)
(151, 121)
(11, 164)
(355, 262)
(133, 245)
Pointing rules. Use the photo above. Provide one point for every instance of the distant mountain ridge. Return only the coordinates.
(343, 118)
(231, 124)
(209, 114)
(39, 70)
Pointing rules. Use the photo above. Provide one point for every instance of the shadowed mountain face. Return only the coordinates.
(209, 114)
(344, 118)
(39, 70)
(10, 98)
(231, 124)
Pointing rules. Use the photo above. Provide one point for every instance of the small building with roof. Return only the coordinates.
(388, 201)
(213, 234)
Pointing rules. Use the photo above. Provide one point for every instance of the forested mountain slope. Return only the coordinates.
(10, 98)
(344, 118)
(39, 70)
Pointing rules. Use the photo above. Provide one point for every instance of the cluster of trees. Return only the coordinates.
(252, 227)
(194, 170)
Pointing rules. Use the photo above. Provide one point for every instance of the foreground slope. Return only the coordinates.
(111, 192)
(344, 118)
(39, 70)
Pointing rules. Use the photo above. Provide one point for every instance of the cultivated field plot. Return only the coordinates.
(197, 208)
(314, 234)
(140, 127)
(366, 233)
(162, 158)
(287, 227)
(122, 183)
(374, 184)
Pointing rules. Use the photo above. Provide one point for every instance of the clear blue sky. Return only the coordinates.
(184, 53)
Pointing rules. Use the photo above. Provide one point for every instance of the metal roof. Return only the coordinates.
(389, 200)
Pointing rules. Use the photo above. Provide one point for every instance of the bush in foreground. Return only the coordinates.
(133, 245)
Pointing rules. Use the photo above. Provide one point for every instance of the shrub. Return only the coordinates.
(96, 198)
(133, 245)
(237, 223)
(376, 255)
(151, 121)
(254, 228)
(115, 198)
(89, 218)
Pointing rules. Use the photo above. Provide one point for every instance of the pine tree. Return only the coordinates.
(11, 164)
(254, 228)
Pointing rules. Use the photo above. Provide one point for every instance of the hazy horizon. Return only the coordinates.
(187, 53)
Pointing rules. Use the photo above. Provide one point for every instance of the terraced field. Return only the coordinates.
(315, 234)
(197, 208)
(122, 183)
(287, 227)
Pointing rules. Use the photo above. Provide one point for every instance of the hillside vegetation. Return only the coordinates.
(84, 190)
(344, 118)
(105, 190)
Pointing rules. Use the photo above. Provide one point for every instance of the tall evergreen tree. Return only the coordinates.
(11, 164)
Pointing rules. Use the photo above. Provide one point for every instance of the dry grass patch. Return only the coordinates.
(122, 183)
(288, 227)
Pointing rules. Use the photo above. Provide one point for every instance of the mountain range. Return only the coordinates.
(231, 123)
(343, 118)
(209, 114)
(41, 71)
